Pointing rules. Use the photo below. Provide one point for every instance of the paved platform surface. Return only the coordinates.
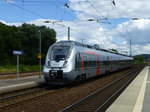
(7, 85)
(136, 97)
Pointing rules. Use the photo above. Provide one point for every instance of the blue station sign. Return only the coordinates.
(17, 52)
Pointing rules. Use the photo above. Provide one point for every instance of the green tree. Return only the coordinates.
(25, 38)
(138, 59)
(114, 50)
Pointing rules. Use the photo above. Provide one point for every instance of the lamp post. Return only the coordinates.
(130, 48)
(134, 19)
(40, 56)
(82, 40)
(68, 33)
(55, 22)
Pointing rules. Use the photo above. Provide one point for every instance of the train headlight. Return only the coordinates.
(48, 63)
(65, 63)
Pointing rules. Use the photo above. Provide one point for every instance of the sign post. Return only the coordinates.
(17, 66)
(17, 53)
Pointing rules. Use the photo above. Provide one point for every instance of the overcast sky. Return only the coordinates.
(112, 26)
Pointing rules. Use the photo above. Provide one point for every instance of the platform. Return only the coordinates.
(7, 85)
(136, 97)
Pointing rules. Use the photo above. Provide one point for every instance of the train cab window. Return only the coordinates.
(60, 52)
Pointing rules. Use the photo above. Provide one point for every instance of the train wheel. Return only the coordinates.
(107, 72)
(77, 80)
(83, 77)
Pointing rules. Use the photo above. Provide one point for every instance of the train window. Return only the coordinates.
(107, 61)
(101, 59)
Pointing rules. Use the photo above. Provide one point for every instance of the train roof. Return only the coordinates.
(89, 46)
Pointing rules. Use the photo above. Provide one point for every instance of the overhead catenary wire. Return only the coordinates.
(22, 10)
(85, 21)
(114, 5)
(75, 17)
(106, 19)
(128, 39)
(54, 3)
(25, 9)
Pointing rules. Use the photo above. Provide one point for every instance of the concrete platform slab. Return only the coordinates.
(9, 85)
(134, 96)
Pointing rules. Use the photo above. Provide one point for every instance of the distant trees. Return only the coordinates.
(25, 38)
(138, 59)
(114, 50)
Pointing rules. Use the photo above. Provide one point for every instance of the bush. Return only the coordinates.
(22, 68)
(8, 68)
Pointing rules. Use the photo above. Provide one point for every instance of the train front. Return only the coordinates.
(58, 64)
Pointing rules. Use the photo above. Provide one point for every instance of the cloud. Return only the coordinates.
(145, 49)
(106, 9)
(138, 31)
(90, 33)
(93, 33)
(2, 21)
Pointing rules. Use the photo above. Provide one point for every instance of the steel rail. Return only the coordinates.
(118, 91)
(17, 102)
(14, 97)
(31, 98)
(21, 94)
(77, 104)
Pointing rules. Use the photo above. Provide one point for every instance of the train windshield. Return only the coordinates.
(59, 52)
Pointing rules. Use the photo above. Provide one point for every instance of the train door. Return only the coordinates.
(78, 62)
(107, 65)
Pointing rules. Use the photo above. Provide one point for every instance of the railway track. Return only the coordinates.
(100, 100)
(16, 98)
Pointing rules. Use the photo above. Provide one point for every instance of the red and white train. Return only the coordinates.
(69, 61)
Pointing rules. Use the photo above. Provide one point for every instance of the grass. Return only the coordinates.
(22, 68)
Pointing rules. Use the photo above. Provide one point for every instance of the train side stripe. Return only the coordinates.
(97, 65)
(111, 68)
(90, 52)
(82, 63)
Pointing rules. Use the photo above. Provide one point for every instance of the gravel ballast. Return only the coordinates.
(60, 100)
